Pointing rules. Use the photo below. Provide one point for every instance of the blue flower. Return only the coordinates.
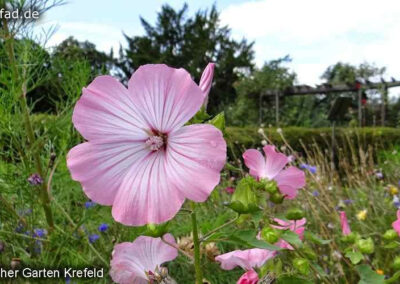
(40, 233)
(35, 179)
(348, 201)
(103, 227)
(379, 175)
(311, 169)
(93, 238)
(89, 204)
(315, 193)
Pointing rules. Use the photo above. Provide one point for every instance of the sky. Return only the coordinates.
(314, 33)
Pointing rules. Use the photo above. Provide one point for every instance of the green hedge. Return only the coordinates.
(378, 137)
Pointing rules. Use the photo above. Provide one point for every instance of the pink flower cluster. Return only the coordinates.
(255, 258)
(272, 167)
(142, 159)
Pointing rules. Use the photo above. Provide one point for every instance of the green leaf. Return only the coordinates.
(200, 116)
(292, 280)
(368, 276)
(218, 121)
(354, 256)
(315, 238)
(248, 238)
(292, 238)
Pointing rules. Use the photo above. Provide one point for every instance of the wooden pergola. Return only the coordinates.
(328, 89)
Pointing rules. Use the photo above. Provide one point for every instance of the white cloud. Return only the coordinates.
(319, 33)
(103, 36)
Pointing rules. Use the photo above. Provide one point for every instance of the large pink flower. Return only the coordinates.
(345, 225)
(246, 259)
(294, 226)
(396, 224)
(250, 277)
(131, 261)
(272, 167)
(140, 157)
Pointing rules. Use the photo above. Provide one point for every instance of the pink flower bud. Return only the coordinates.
(206, 81)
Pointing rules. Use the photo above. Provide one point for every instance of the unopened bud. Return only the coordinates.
(396, 263)
(390, 235)
(351, 238)
(302, 265)
(366, 246)
(295, 214)
(271, 186)
(269, 235)
(276, 198)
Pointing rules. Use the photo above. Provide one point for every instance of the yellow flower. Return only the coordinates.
(379, 271)
(362, 215)
(393, 189)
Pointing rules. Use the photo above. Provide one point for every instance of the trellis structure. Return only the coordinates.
(329, 89)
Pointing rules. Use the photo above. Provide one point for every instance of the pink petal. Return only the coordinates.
(294, 226)
(396, 224)
(195, 156)
(283, 224)
(246, 259)
(345, 225)
(275, 161)
(250, 277)
(147, 194)
(106, 111)
(255, 161)
(131, 261)
(101, 166)
(206, 79)
(290, 180)
(166, 97)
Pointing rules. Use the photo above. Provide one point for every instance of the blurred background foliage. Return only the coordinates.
(180, 40)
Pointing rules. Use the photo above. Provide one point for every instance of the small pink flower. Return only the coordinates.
(206, 81)
(345, 225)
(294, 226)
(246, 259)
(272, 167)
(396, 224)
(230, 190)
(250, 277)
(131, 261)
(139, 156)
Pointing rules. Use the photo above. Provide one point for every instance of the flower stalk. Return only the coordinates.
(44, 196)
(196, 243)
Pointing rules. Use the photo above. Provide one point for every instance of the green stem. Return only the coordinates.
(44, 195)
(196, 243)
(210, 233)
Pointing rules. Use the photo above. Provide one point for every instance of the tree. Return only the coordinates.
(191, 43)
(340, 73)
(73, 50)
